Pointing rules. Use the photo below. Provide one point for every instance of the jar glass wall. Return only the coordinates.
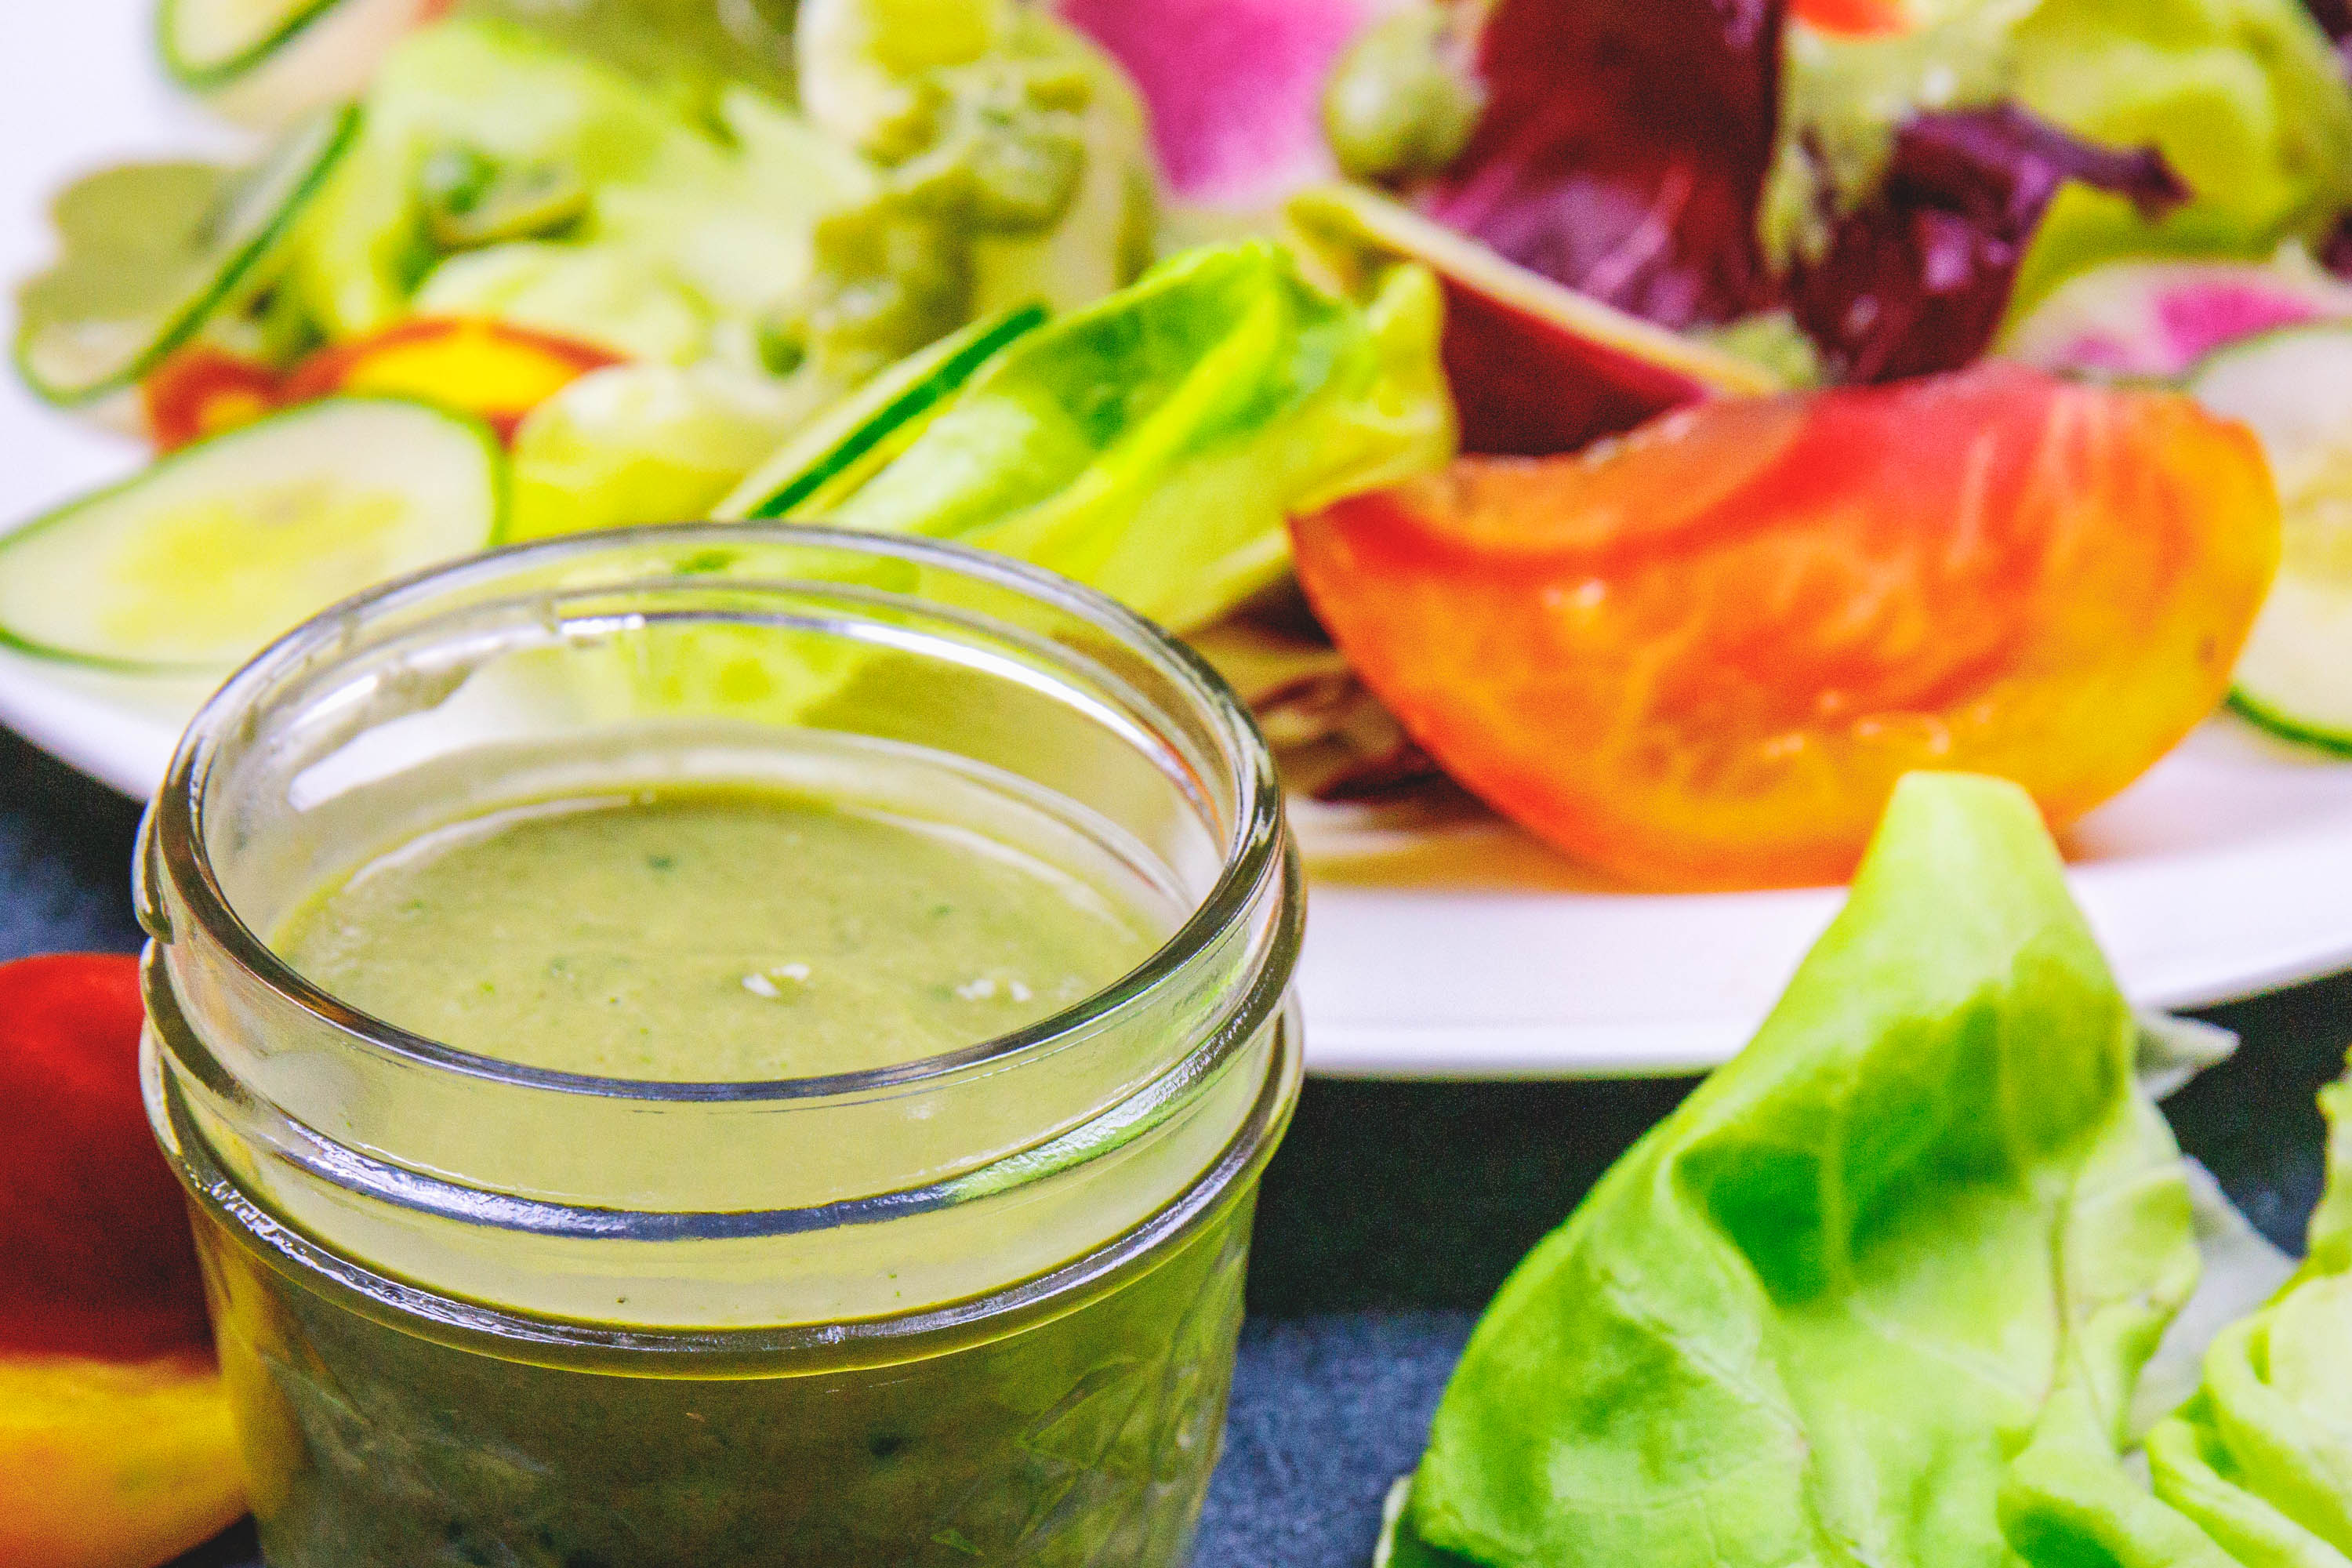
(976, 1303)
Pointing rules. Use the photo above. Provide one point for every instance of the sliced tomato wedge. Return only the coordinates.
(490, 369)
(1701, 657)
(1853, 18)
(203, 391)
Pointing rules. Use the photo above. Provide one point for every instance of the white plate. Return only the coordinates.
(2228, 871)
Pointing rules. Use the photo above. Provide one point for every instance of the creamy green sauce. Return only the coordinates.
(711, 935)
(733, 934)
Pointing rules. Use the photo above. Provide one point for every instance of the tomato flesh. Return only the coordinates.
(1854, 18)
(203, 392)
(1702, 655)
(497, 371)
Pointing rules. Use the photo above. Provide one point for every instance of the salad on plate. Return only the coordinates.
(1661, 425)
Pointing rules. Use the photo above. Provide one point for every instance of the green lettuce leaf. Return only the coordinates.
(2244, 98)
(2331, 1225)
(1925, 1224)
(1153, 445)
(644, 443)
(606, 294)
(2262, 1458)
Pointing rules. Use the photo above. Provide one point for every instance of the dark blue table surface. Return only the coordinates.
(1388, 1219)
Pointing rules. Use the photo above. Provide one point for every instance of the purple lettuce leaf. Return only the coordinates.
(1623, 149)
(1624, 152)
(1916, 279)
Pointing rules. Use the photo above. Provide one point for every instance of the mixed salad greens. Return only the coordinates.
(1883, 1290)
(1196, 301)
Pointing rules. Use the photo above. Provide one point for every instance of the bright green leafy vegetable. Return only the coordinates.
(1926, 1222)
(1880, 1292)
(2261, 1458)
(628, 305)
(2244, 97)
(643, 443)
(1153, 445)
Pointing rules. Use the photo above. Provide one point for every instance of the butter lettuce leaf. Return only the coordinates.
(644, 443)
(2331, 1225)
(1925, 1224)
(2244, 99)
(1153, 445)
(2262, 1458)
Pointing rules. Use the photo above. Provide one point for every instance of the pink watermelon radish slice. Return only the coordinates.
(1235, 88)
(1535, 367)
(2156, 318)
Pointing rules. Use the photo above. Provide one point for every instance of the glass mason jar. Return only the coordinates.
(976, 1306)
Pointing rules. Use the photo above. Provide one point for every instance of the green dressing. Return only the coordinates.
(711, 934)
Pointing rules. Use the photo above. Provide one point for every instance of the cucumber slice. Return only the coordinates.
(2294, 388)
(153, 250)
(838, 450)
(206, 42)
(263, 62)
(199, 561)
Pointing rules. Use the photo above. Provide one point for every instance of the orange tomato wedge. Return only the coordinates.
(497, 372)
(203, 391)
(114, 1464)
(1701, 657)
(1853, 18)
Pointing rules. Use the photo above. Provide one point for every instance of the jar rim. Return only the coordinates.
(1253, 853)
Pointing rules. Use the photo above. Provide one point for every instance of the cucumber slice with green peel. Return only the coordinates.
(206, 42)
(199, 561)
(839, 449)
(263, 62)
(2294, 388)
(151, 251)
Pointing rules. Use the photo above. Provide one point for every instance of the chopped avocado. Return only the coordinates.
(1013, 169)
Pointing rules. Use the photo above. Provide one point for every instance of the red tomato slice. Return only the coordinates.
(1702, 655)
